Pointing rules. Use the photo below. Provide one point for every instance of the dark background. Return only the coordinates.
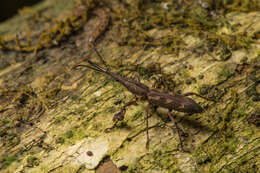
(8, 8)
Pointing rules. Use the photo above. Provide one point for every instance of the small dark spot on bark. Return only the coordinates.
(201, 76)
(188, 81)
(89, 153)
(123, 168)
(254, 119)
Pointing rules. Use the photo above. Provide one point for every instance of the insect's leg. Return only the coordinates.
(137, 78)
(120, 115)
(177, 128)
(99, 55)
(164, 82)
(156, 83)
(191, 93)
(147, 133)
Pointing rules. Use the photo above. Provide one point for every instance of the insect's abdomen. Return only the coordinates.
(173, 102)
(163, 100)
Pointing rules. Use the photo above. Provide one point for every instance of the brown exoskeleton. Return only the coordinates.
(177, 102)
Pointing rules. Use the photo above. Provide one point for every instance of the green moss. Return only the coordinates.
(3, 133)
(69, 134)
(8, 161)
(227, 115)
(252, 92)
(142, 71)
(137, 115)
(111, 109)
(81, 134)
(235, 5)
(230, 145)
(247, 163)
(157, 160)
(202, 157)
(224, 74)
(190, 18)
(225, 53)
(81, 109)
(204, 89)
(240, 113)
(122, 124)
(5, 122)
(32, 161)
(59, 140)
(13, 139)
(60, 119)
(57, 31)
(118, 86)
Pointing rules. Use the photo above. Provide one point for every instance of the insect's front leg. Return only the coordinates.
(164, 82)
(120, 115)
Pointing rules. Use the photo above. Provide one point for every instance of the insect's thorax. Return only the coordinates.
(136, 88)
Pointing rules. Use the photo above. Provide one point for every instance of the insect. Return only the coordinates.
(155, 97)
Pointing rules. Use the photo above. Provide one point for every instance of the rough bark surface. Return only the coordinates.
(53, 117)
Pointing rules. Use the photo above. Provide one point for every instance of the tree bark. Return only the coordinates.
(53, 116)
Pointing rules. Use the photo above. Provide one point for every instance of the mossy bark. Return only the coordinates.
(53, 117)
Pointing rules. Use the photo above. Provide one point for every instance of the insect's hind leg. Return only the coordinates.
(177, 128)
(147, 129)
